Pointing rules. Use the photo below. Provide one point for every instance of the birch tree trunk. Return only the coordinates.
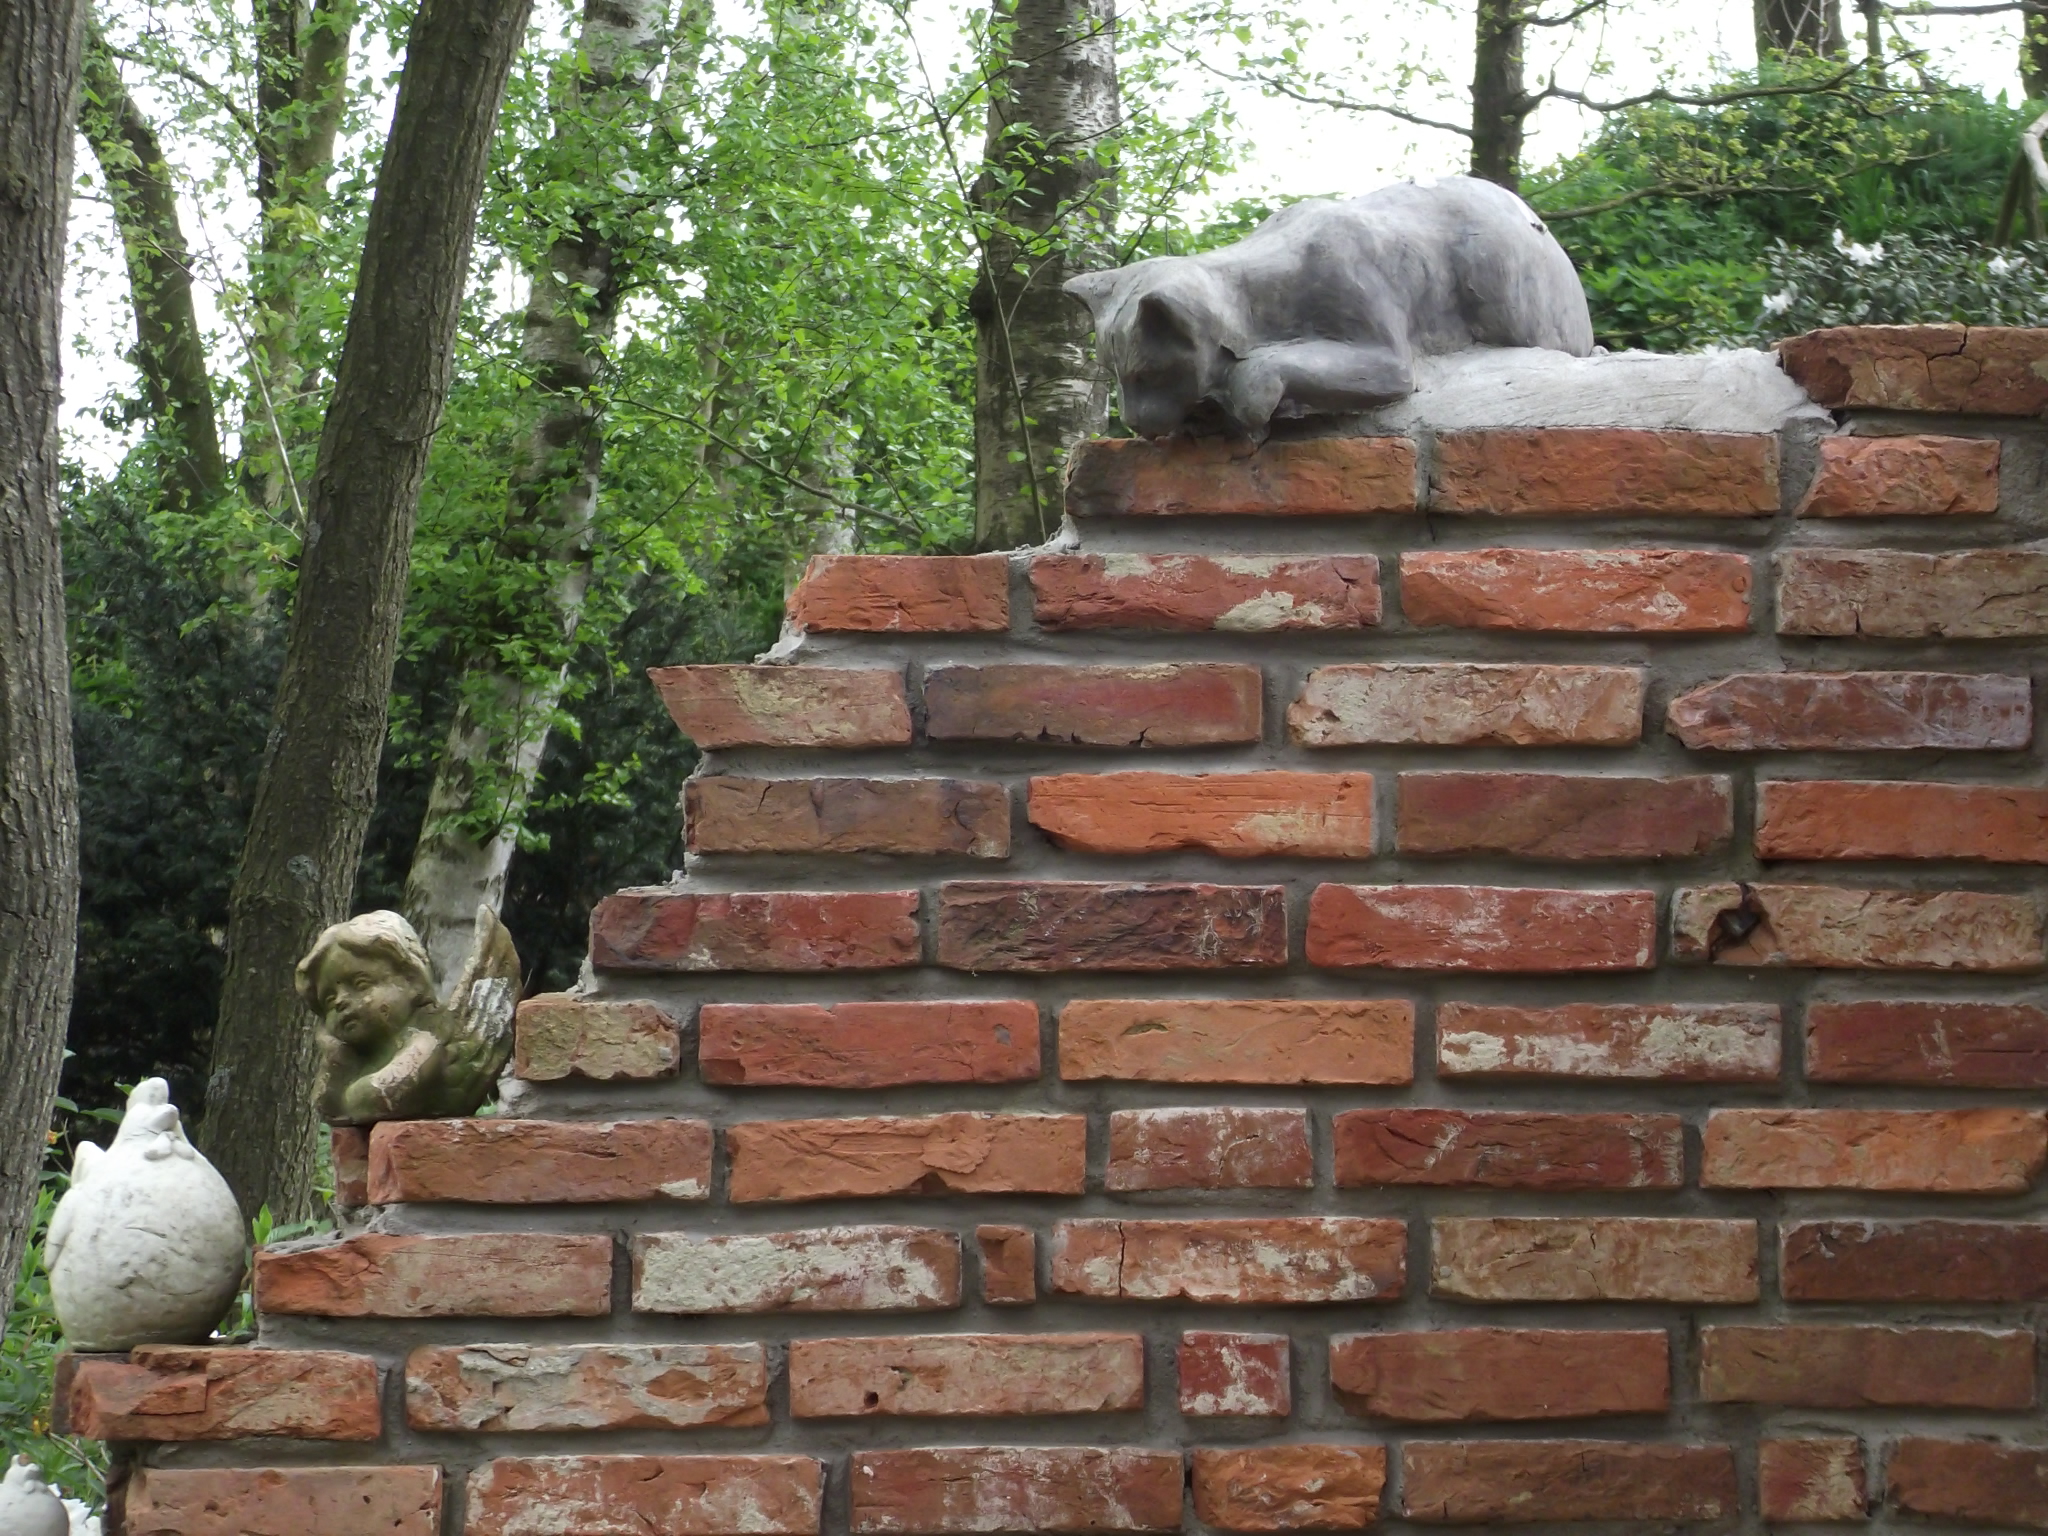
(40, 47)
(1500, 105)
(1045, 194)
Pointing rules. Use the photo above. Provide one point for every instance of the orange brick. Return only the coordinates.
(1507, 1149)
(676, 1495)
(1213, 1147)
(1167, 704)
(958, 1490)
(658, 929)
(349, 1151)
(1978, 1481)
(1951, 1151)
(1481, 928)
(867, 1045)
(825, 1269)
(1476, 1482)
(860, 1159)
(498, 1388)
(1235, 1375)
(1254, 1040)
(1904, 477)
(723, 813)
(1890, 594)
(1612, 471)
(731, 706)
(1944, 1045)
(1814, 1478)
(1855, 712)
(1218, 476)
(1009, 1265)
(1828, 927)
(1237, 815)
(1563, 815)
(486, 1274)
(1467, 704)
(238, 1501)
(1289, 1487)
(1640, 1042)
(171, 1393)
(559, 1036)
(909, 594)
(1593, 1258)
(1578, 591)
(1952, 369)
(539, 1162)
(1838, 819)
(1924, 1261)
(1478, 1375)
(1072, 925)
(1243, 594)
(1868, 1367)
(966, 1374)
(1259, 1261)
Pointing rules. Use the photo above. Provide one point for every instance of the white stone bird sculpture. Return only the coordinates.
(27, 1507)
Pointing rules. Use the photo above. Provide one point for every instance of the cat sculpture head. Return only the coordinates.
(1161, 327)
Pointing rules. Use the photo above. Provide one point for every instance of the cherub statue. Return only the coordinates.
(394, 1051)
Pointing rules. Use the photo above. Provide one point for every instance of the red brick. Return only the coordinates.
(1258, 1261)
(1904, 477)
(495, 1388)
(909, 594)
(1054, 1488)
(559, 1036)
(1593, 1258)
(1508, 1149)
(1480, 1375)
(632, 1495)
(726, 814)
(1951, 1151)
(658, 929)
(1922, 1261)
(1563, 815)
(1165, 704)
(1579, 591)
(1237, 815)
(168, 1392)
(1889, 594)
(1240, 594)
(1944, 1045)
(826, 1269)
(967, 1374)
(863, 1159)
(1467, 704)
(1278, 1041)
(1290, 1487)
(1977, 1481)
(1474, 1482)
(485, 1274)
(1828, 927)
(1235, 1375)
(349, 1152)
(727, 706)
(1009, 1265)
(539, 1162)
(1225, 476)
(1617, 471)
(1868, 1367)
(1213, 1147)
(867, 1045)
(1633, 1042)
(1951, 369)
(1855, 712)
(1816, 1479)
(1071, 925)
(1842, 819)
(1481, 928)
(282, 1501)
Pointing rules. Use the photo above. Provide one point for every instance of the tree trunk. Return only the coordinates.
(1500, 107)
(319, 779)
(1808, 26)
(41, 42)
(1045, 197)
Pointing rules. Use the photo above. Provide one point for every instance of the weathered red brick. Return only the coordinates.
(867, 1045)
(1235, 1375)
(955, 1374)
(1904, 477)
(1579, 591)
(1617, 471)
(1009, 1265)
(1228, 477)
(282, 1501)
(862, 1159)
(495, 1388)
(558, 1036)
(1165, 704)
(1213, 1147)
(737, 706)
(1951, 369)
(1925, 1261)
(1828, 927)
(1890, 594)
(632, 1495)
(1474, 1482)
(1868, 1367)
(1855, 712)
(168, 1392)
(1258, 1261)
(1481, 928)
(1978, 1481)
(1254, 1040)
(1863, 819)
(1467, 704)
(1948, 1045)
(1071, 925)
(910, 594)
(1290, 1487)
(1563, 815)
(1240, 594)
(348, 1148)
(1649, 1042)
(1477, 1375)
(1238, 815)
(655, 928)
(826, 1269)
(1593, 1258)
(1508, 1149)
(957, 1490)
(1945, 1151)
(484, 1274)
(727, 814)
(539, 1162)
(1821, 1478)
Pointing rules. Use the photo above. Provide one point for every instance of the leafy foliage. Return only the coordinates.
(1904, 280)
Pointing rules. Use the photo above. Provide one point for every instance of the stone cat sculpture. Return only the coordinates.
(1325, 307)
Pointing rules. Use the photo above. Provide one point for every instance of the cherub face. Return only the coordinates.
(363, 1000)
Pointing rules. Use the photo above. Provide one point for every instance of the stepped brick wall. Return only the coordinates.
(1458, 978)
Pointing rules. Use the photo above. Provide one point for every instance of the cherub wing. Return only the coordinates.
(476, 1024)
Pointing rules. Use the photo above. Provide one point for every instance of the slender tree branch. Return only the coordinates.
(1343, 103)
(1922, 8)
(213, 93)
(1556, 92)
(1584, 9)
